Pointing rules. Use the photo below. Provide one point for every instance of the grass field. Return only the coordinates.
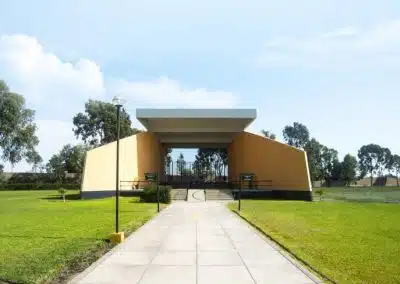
(361, 194)
(346, 241)
(43, 238)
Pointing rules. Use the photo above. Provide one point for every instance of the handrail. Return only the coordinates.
(232, 184)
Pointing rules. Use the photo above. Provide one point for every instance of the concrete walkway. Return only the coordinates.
(199, 242)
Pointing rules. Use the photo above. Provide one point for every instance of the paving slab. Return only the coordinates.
(196, 242)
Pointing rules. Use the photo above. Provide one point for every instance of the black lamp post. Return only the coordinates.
(117, 101)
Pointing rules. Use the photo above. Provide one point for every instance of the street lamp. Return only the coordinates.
(118, 236)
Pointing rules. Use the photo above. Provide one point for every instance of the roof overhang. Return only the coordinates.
(195, 127)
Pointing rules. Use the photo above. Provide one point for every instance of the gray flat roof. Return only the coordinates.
(196, 113)
(195, 126)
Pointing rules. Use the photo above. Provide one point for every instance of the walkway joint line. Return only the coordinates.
(195, 242)
(241, 259)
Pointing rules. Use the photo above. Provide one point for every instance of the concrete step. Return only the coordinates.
(179, 194)
(195, 195)
(219, 194)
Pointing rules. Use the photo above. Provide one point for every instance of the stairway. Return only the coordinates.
(179, 194)
(219, 194)
(196, 195)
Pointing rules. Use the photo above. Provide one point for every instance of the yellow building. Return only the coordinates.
(278, 170)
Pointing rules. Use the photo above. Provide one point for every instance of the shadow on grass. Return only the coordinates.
(6, 236)
(147, 202)
(4, 281)
(74, 196)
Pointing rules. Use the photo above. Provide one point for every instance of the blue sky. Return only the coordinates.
(332, 65)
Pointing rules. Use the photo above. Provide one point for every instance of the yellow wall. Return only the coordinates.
(139, 154)
(284, 165)
(149, 152)
(100, 165)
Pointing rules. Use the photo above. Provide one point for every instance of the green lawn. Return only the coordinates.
(41, 237)
(361, 194)
(346, 241)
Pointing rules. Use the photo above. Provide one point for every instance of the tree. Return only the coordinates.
(1, 172)
(70, 159)
(349, 169)
(181, 164)
(323, 162)
(268, 134)
(296, 135)
(98, 125)
(56, 167)
(35, 160)
(202, 165)
(384, 161)
(337, 170)
(329, 158)
(167, 160)
(17, 128)
(209, 159)
(74, 157)
(313, 149)
(370, 157)
(396, 166)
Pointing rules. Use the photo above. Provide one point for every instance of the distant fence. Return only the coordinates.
(381, 181)
(384, 194)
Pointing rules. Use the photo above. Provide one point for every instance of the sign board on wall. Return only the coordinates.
(150, 176)
(247, 177)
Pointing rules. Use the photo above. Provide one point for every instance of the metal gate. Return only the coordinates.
(182, 174)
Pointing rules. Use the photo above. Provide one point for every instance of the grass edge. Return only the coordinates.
(90, 256)
(284, 248)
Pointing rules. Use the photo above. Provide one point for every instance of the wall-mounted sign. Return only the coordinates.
(150, 176)
(246, 177)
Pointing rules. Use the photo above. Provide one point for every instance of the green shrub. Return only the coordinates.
(319, 192)
(37, 186)
(62, 192)
(149, 194)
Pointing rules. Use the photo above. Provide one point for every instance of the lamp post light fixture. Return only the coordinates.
(118, 236)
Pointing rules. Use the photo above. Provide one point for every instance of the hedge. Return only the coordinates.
(38, 186)
(38, 178)
(149, 194)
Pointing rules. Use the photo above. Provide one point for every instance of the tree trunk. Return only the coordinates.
(397, 179)
(371, 180)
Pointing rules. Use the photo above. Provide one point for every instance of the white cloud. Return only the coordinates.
(41, 76)
(342, 32)
(165, 92)
(53, 135)
(57, 89)
(379, 44)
